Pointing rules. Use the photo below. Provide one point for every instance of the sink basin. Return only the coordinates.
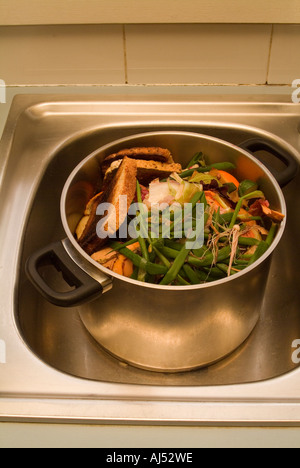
(49, 352)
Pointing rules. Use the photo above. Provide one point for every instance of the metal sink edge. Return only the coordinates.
(69, 398)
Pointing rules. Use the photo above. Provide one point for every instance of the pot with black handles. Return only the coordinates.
(155, 327)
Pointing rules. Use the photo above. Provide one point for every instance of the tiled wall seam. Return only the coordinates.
(150, 54)
(62, 55)
(284, 61)
(209, 54)
(125, 54)
(282, 66)
(270, 52)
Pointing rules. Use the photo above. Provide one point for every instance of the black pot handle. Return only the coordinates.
(86, 287)
(283, 177)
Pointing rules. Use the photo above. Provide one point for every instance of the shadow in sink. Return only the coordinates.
(58, 337)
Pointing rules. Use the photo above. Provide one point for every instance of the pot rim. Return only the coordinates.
(112, 274)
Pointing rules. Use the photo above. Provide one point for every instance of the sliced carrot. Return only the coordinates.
(211, 198)
(128, 265)
(253, 233)
(119, 263)
(227, 178)
(128, 268)
(110, 264)
(104, 255)
(115, 261)
(123, 266)
(134, 246)
(245, 213)
(214, 200)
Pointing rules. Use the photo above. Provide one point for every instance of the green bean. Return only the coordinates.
(263, 246)
(248, 241)
(170, 252)
(226, 217)
(237, 263)
(241, 262)
(226, 166)
(245, 241)
(171, 213)
(224, 253)
(205, 261)
(172, 273)
(271, 234)
(245, 258)
(126, 244)
(143, 230)
(223, 267)
(193, 275)
(181, 280)
(200, 252)
(206, 256)
(138, 261)
(256, 194)
(216, 216)
(171, 228)
(240, 266)
(134, 275)
(166, 262)
(247, 186)
(193, 223)
(209, 258)
(175, 230)
(245, 219)
(259, 252)
(142, 274)
(203, 200)
(173, 244)
(214, 272)
(195, 198)
(231, 187)
(195, 159)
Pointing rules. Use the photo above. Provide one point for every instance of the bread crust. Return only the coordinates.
(146, 171)
(151, 153)
(123, 184)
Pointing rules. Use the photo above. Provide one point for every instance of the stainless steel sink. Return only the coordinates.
(51, 363)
